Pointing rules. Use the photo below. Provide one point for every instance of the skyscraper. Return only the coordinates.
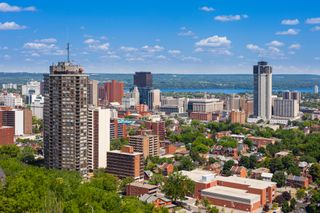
(154, 99)
(65, 117)
(316, 89)
(135, 95)
(262, 90)
(93, 92)
(143, 80)
(114, 91)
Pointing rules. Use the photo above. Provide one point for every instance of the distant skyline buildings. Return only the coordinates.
(143, 80)
(219, 41)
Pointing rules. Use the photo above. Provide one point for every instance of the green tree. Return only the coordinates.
(300, 194)
(226, 167)
(315, 172)
(280, 178)
(244, 161)
(178, 186)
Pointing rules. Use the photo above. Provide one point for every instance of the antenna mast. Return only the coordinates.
(68, 52)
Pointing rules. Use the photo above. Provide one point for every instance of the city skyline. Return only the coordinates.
(210, 37)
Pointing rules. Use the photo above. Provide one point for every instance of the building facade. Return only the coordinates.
(65, 117)
(262, 92)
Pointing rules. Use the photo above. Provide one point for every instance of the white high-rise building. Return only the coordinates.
(10, 100)
(262, 83)
(98, 137)
(154, 99)
(135, 95)
(37, 107)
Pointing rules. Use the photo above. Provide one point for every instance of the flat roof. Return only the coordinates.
(125, 153)
(144, 185)
(197, 176)
(231, 194)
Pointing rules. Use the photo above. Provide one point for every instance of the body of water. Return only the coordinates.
(227, 91)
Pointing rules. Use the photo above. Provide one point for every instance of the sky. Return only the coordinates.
(161, 36)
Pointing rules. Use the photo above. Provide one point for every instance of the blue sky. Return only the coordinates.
(163, 36)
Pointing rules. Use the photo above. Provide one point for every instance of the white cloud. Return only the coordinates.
(290, 21)
(275, 43)
(4, 48)
(162, 57)
(289, 32)
(228, 18)
(47, 40)
(207, 9)
(295, 46)
(91, 41)
(135, 59)
(313, 20)
(190, 58)
(214, 41)
(38, 46)
(5, 7)
(6, 57)
(104, 46)
(316, 28)
(174, 52)
(152, 49)
(128, 49)
(254, 47)
(11, 26)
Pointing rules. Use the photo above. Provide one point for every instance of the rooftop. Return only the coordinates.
(144, 185)
(226, 193)
(124, 153)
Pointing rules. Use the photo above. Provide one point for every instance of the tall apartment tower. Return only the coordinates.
(154, 99)
(114, 91)
(143, 80)
(262, 91)
(98, 137)
(65, 117)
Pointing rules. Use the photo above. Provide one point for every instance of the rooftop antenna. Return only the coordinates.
(68, 52)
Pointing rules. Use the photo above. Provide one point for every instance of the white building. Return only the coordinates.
(37, 107)
(11, 99)
(316, 89)
(205, 105)
(31, 88)
(9, 86)
(135, 95)
(128, 102)
(286, 108)
(262, 83)
(154, 99)
(98, 137)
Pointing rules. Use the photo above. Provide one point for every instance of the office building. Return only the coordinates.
(135, 95)
(15, 118)
(9, 86)
(238, 116)
(205, 105)
(114, 91)
(65, 117)
(93, 92)
(201, 116)
(119, 128)
(143, 80)
(98, 137)
(37, 107)
(168, 109)
(233, 103)
(167, 101)
(6, 133)
(27, 121)
(149, 145)
(128, 102)
(234, 192)
(32, 87)
(154, 102)
(286, 108)
(125, 163)
(262, 83)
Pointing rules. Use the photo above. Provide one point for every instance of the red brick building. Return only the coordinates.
(260, 141)
(139, 188)
(201, 116)
(6, 133)
(114, 91)
(239, 171)
(158, 128)
(232, 192)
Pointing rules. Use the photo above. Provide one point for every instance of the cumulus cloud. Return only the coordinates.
(5, 7)
(290, 21)
(254, 47)
(214, 41)
(215, 44)
(313, 20)
(275, 43)
(96, 45)
(11, 26)
(91, 41)
(186, 32)
(206, 9)
(295, 46)
(288, 32)
(128, 49)
(38, 46)
(190, 58)
(229, 18)
(271, 51)
(152, 49)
